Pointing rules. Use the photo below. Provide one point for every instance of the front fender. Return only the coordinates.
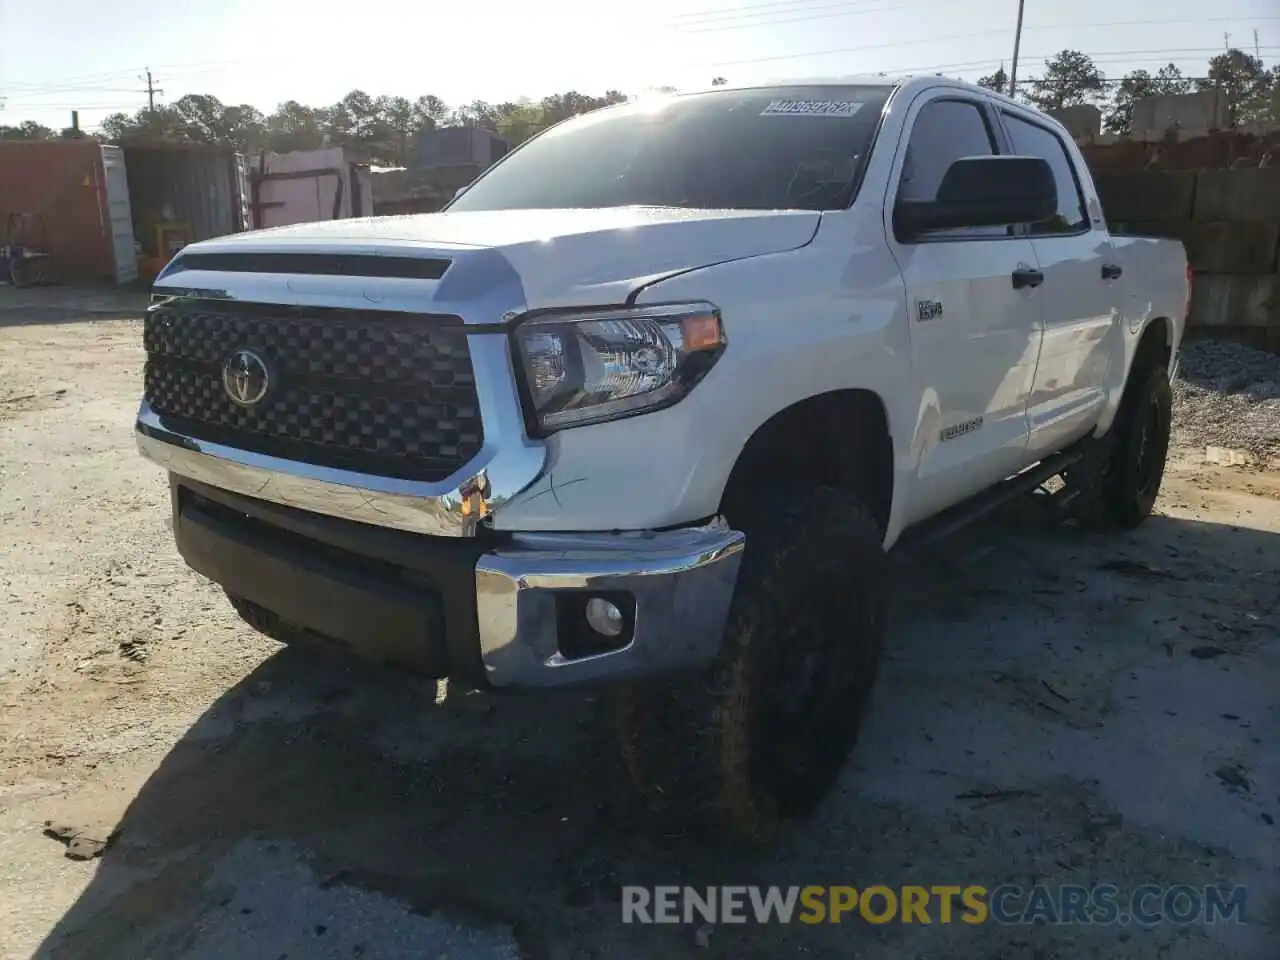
(670, 467)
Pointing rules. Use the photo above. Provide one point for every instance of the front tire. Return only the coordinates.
(761, 735)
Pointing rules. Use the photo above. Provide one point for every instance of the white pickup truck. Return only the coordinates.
(652, 399)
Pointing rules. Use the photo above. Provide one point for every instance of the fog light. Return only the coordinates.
(604, 617)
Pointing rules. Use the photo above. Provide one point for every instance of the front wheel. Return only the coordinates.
(761, 735)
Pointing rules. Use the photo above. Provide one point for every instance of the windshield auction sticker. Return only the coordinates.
(811, 108)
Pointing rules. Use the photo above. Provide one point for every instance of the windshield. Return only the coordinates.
(767, 149)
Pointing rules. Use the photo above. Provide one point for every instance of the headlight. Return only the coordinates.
(616, 363)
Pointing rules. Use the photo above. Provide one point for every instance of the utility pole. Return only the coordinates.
(152, 90)
(1017, 45)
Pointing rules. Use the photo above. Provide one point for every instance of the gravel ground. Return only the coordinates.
(1228, 395)
(1055, 707)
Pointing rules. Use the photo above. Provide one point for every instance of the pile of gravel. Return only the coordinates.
(1227, 395)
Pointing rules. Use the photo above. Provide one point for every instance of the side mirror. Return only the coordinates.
(984, 192)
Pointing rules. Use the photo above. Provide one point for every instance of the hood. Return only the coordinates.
(558, 257)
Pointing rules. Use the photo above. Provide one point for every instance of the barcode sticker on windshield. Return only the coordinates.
(811, 108)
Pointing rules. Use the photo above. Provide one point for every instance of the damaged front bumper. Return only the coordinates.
(670, 590)
(506, 611)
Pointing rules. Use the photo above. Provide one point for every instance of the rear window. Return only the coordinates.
(798, 148)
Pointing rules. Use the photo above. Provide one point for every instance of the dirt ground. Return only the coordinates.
(1114, 702)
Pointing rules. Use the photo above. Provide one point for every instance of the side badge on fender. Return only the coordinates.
(960, 429)
(927, 310)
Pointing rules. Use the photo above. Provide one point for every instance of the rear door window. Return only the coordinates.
(1033, 140)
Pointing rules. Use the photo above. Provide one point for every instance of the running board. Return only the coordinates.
(964, 513)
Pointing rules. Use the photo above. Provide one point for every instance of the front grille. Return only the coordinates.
(381, 393)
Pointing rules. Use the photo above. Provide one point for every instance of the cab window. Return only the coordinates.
(945, 131)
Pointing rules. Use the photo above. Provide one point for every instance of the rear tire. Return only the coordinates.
(1121, 481)
(761, 735)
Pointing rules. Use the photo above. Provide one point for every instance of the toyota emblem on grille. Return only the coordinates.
(245, 378)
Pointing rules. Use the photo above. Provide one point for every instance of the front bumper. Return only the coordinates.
(489, 610)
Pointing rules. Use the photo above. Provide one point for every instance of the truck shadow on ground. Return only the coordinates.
(514, 815)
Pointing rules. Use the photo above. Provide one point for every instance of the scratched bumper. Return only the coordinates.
(673, 587)
(489, 610)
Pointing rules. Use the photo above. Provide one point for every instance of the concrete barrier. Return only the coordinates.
(1232, 246)
(1223, 300)
(1146, 195)
(1244, 194)
(1190, 113)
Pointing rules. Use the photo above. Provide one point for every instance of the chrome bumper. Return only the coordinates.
(681, 581)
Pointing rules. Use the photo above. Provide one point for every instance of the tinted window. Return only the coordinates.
(767, 149)
(945, 131)
(1033, 140)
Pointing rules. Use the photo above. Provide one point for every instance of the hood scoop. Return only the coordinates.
(313, 264)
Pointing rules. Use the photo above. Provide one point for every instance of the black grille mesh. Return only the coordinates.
(385, 394)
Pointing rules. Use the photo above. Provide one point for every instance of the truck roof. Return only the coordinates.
(908, 80)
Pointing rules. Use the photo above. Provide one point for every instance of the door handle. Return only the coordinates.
(1111, 271)
(1027, 277)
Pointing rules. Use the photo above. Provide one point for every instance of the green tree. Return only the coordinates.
(352, 121)
(116, 126)
(163, 121)
(203, 116)
(718, 81)
(293, 126)
(1070, 78)
(481, 113)
(523, 121)
(27, 130)
(1245, 82)
(396, 113)
(244, 126)
(1139, 85)
(429, 112)
(998, 81)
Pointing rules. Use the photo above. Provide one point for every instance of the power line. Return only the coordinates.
(761, 8)
(90, 81)
(717, 26)
(770, 17)
(77, 80)
(768, 11)
(957, 36)
(1105, 59)
(77, 105)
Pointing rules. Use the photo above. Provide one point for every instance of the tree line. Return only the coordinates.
(1071, 78)
(379, 128)
(382, 128)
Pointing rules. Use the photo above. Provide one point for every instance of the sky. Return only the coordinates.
(91, 55)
